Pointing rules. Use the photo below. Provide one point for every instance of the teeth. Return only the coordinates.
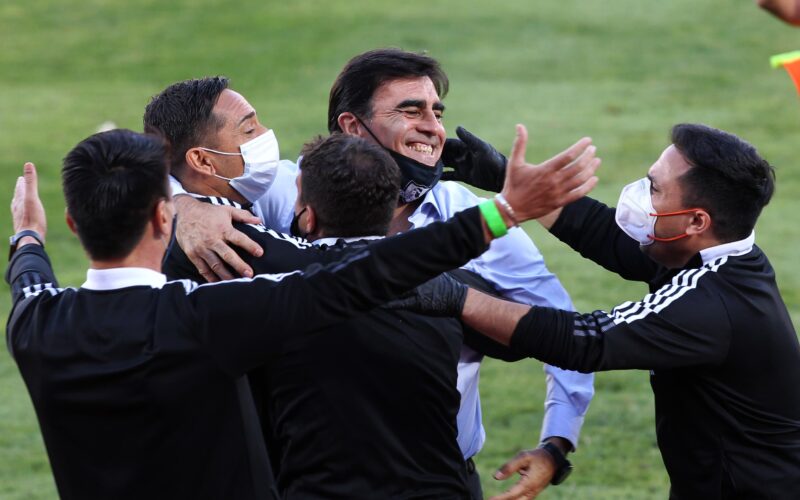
(423, 148)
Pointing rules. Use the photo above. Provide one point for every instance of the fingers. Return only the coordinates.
(202, 267)
(468, 138)
(454, 151)
(569, 155)
(19, 192)
(239, 239)
(514, 465)
(26, 186)
(518, 492)
(27, 211)
(578, 179)
(244, 216)
(534, 476)
(521, 489)
(223, 254)
(581, 190)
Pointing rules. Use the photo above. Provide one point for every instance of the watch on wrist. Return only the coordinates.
(14, 240)
(563, 466)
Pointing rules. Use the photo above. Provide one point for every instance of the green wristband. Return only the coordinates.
(493, 218)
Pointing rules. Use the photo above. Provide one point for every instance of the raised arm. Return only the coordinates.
(29, 269)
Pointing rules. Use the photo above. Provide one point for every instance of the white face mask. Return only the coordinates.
(637, 217)
(633, 212)
(261, 156)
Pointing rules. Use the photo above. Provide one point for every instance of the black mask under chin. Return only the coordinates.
(416, 178)
(294, 227)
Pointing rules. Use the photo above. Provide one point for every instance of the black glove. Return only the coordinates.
(441, 296)
(474, 162)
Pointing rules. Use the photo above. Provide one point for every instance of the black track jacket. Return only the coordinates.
(137, 389)
(723, 355)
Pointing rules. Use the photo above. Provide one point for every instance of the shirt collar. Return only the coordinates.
(220, 200)
(429, 204)
(123, 277)
(333, 241)
(732, 248)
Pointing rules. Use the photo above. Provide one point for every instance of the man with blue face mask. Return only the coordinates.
(714, 332)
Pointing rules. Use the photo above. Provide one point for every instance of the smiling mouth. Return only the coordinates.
(421, 148)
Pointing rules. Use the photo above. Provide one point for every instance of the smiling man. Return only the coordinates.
(394, 98)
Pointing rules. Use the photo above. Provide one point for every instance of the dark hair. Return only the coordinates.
(112, 181)
(727, 178)
(182, 114)
(362, 75)
(351, 183)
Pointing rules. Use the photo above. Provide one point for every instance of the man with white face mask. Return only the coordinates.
(714, 331)
(220, 154)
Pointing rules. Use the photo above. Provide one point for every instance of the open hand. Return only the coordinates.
(27, 211)
(535, 467)
(536, 190)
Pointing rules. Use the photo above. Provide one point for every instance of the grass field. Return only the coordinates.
(621, 71)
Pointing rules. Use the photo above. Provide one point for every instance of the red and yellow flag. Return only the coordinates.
(790, 61)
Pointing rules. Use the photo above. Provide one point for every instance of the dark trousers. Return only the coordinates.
(474, 481)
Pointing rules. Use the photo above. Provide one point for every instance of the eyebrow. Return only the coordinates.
(246, 117)
(420, 103)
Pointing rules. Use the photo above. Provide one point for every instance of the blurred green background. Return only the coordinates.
(621, 71)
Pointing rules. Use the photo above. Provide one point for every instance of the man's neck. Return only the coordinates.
(148, 255)
(212, 186)
(400, 222)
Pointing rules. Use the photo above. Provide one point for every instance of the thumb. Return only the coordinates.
(518, 149)
(31, 181)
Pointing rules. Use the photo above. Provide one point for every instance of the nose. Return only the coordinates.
(430, 125)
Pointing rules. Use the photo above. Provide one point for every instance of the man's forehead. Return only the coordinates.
(231, 105)
(670, 165)
(409, 90)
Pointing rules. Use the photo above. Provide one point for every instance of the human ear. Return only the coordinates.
(162, 218)
(70, 222)
(199, 160)
(699, 223)
(311, 221)
(349, 123)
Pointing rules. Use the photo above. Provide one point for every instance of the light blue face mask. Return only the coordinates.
(261, 156)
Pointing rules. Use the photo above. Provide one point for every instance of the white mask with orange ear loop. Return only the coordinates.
(636, 215)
